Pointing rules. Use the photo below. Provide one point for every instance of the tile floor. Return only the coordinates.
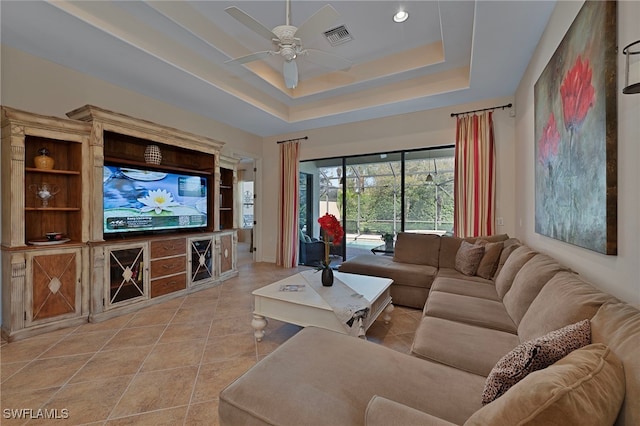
(163, 365)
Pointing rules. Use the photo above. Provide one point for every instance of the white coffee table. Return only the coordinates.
(308, 308)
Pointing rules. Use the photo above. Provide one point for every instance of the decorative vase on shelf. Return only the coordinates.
(152, 155)
(327, 276)
(42, 160)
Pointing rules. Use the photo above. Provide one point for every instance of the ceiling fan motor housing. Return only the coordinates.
(289, 45)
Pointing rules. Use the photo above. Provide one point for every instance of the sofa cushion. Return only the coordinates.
(463, 346)
(408, 274)
(419, 249)
(527, 284)
(384, 412)
(320, 377)
(511, 267)
(468, 257)
(617, 325)
(584, 388)
(489, 262)
(452, 281)
(564, 300)
(508, 247)
(469, 310)
(448, 249)
(534, 355)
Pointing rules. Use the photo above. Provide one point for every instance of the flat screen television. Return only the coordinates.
(146, 201)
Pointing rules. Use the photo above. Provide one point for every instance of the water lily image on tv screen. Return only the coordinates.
(145, 200)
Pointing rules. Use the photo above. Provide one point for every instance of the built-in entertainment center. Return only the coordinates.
(104, 214)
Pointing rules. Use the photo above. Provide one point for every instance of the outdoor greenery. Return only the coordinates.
(374, 195)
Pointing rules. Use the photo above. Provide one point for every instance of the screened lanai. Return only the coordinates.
(376, 196)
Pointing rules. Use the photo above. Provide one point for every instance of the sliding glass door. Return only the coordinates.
(373, 188)
(376, 196)
(429, 191)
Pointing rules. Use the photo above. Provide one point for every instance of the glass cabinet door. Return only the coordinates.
(201, 259)
(126, 274)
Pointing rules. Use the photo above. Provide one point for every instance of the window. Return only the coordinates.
(378, 194)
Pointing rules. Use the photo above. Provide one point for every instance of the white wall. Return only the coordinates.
(408, 131)
(35, 85)
(619, 275)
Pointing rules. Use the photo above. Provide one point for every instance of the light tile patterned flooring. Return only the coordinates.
(163, 365)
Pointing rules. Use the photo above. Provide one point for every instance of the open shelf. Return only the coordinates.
(63, 213)
(51, 171)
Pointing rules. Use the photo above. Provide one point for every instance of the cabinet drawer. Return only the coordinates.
(168, 285)
(168, 266)
(164, 248)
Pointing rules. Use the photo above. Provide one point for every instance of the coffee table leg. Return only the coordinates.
(258, 323)
(387, 313)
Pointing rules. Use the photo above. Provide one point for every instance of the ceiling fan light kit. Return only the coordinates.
(289, 40)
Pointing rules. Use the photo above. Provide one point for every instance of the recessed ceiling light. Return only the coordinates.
(401, 16)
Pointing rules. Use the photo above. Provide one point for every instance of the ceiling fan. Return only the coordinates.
(289, 41)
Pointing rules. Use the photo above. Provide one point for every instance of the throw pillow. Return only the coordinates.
(534, 355)
(468, 258)
(490, 259)
(587, 387)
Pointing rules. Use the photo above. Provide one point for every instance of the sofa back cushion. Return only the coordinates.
(448, 249)
(419, 249)
(584, 388)
(527, 284)
(617, 325)
(565, 299)
(508, 247)
(512, 265)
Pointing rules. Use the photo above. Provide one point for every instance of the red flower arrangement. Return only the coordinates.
(332, 233)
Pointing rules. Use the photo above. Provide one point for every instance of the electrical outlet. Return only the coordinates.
(500, 221)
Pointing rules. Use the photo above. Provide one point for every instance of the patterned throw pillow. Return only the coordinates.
(468, 258)
(534, 355)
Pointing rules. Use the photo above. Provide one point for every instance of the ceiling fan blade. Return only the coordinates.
(290, 73)
(326, 59)
(250, 23)
(250, 58)
(317, 23)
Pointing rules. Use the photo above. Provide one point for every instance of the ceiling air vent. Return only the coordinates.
(338, 35)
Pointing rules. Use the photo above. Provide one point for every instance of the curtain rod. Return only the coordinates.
(294, 139)
(454, 114)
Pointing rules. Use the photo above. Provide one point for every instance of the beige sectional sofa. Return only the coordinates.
(468, 324)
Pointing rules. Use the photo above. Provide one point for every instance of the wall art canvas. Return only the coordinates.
(576, 134)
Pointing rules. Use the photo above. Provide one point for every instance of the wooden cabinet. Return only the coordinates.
(126, 274)
(168, 266)
(44, 283)
(35, 200)
(228, 211)
(226, 247)
(55, 290)
(52, 284)
(201, 260)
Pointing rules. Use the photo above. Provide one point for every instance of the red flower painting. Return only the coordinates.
(548, 143)
(578, 94)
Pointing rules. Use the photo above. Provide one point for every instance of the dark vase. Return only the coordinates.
(327, 277)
